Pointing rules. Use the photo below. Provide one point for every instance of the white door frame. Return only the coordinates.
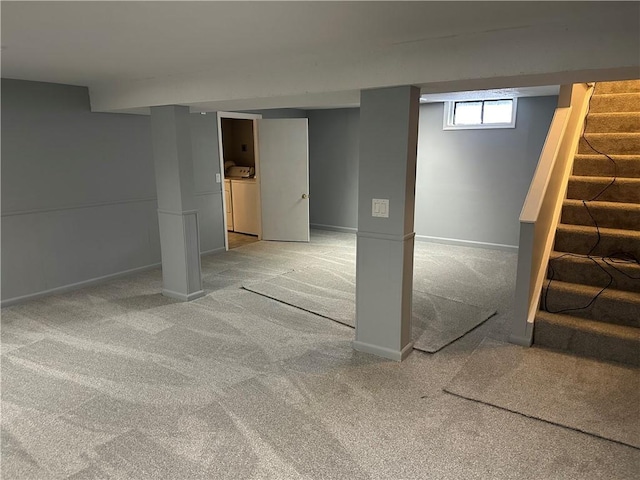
(244, 116)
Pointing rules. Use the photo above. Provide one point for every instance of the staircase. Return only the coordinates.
(590, 302)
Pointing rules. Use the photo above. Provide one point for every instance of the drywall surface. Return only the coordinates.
(310, 61)
(334, 138)
(471, 184)
(78, 189)
(208, 193)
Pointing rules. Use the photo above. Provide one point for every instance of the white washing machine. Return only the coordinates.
(244, 200)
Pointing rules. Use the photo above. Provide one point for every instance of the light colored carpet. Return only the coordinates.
(438, 321)
(593, 397)
(329, 292)
(118, 382)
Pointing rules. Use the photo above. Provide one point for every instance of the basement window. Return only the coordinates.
(471, 114)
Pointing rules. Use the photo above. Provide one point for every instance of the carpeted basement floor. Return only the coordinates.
(331, 293)
(116, 381)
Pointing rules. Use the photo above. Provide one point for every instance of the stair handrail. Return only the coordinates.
(543, 204)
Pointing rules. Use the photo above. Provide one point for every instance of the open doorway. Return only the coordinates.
(265, 165)
(240, 166)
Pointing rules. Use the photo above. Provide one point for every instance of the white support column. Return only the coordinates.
(384, 266)
(177, 217)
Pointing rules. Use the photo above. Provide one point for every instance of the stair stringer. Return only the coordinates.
(543, 205)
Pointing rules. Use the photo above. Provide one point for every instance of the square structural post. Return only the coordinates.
(386, 202)
(177, 217)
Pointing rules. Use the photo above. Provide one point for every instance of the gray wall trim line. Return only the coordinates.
(76, 286)
(468, 243)
(333, 228)
(386, 236)
(180, 214)
(203, 194)
(75, 207)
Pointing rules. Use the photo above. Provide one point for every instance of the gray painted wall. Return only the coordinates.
(208, 193)
(79, 197)
(470, 184)
(334, 138)
(78, 189)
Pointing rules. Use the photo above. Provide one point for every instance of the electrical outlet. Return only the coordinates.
(218, 180)
(380, 207)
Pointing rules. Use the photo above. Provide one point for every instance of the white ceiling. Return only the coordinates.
(124, 47)
(84, 43)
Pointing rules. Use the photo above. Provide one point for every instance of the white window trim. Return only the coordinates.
(449, 108)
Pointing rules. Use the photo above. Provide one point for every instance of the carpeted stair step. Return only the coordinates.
(610, 143)
(611, 306)
(580, 269)
(581, 239)
(588, 338)
(599, 165)
(581, 317)
(624, 86)
(625, 190)
(605, 214)
(616, 122)
(615, 102)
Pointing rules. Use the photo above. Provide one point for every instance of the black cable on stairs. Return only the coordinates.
(609, 260)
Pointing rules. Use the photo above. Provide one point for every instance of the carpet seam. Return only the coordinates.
(431, 352)
(295, 306)
(595, 435)
(495, 312)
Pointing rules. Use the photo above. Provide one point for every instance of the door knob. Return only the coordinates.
(305, 196)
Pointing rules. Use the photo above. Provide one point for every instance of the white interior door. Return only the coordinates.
(284, 179)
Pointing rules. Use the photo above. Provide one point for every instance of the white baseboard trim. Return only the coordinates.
(333, 228)
(90, 282)
(468, 243)
(396, 355)
(76, 286)
(183, 296)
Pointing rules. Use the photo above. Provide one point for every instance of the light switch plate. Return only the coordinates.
(218, 178)
(380, 207)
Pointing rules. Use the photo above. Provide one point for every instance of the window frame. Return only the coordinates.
(450, 108)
